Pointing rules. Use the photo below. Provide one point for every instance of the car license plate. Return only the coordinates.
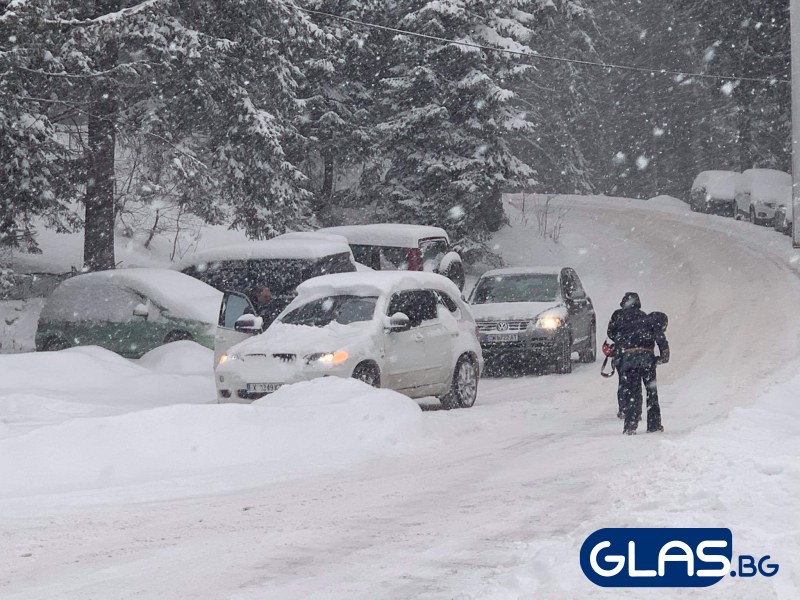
(263, 388)
(503, 337)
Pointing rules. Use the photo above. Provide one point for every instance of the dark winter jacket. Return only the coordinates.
(630, 312)
(630, 327)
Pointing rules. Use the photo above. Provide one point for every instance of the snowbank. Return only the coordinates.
(180, 358)
(668, 201)
(44, 388)
(18, 319)
(300, 429)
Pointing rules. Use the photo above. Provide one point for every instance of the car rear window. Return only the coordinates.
(96, 301)
(433, 250)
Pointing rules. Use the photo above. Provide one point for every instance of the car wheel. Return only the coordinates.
(369, 373)
(563, 361)
(464, 387)
(54, 344)
(178, 336)
(589, 355)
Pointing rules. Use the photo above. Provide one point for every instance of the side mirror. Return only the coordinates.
(141, 310)
(399, 322)
(249, 324)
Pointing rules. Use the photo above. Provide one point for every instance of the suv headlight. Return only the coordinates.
(548, 322)
(228, 357)
(327, 358)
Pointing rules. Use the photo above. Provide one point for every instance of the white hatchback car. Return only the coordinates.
(406, 331)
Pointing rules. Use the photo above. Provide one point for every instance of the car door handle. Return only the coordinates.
(417, 337)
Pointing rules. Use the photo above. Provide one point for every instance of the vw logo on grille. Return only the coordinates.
(502, 326)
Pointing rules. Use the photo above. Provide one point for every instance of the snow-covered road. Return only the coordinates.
(496, 501)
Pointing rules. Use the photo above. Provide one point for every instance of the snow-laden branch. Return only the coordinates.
(111, 71)
(11, 8)
(105, 19)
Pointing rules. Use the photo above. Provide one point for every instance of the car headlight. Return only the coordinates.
(548, 322)
(327, 358)
(228, 357)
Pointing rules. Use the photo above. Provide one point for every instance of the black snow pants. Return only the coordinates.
(635, 369)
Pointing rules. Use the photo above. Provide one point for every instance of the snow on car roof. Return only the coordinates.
(182, 295)
(768, 177)
(301, 247)
(523, 271)
(400, 235)
(704, 176)
(718, 184)
(312, 235)
(376, 282)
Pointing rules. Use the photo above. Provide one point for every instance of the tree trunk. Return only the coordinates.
(98, 239)
(327, 176)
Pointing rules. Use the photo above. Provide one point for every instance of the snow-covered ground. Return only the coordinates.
(117, 480)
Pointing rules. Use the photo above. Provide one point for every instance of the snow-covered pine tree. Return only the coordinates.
(337, 95)
(210, 88)
(249, 108)
(445, 111)
(750, 38)
(563, 101)
(35, 166)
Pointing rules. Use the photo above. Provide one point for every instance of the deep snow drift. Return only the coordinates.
(296, 431)
(490, 502)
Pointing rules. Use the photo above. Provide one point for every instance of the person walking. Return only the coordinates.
(630, 310)
(635, 335)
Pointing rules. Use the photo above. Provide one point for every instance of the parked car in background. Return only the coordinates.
(269, 271)
(760, 192)
(783, 219)
(715, 192)
(526, 314)
(410, 332)
(128, 311)
(403, 247)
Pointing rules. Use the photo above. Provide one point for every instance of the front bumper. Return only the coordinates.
(528, 341)
(232, 378)
(725, 206)
(764, 212)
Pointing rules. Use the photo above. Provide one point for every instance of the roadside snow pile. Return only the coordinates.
(326, 423)
(664, 201)
(180, 358)
(44, 388)
(18, 320)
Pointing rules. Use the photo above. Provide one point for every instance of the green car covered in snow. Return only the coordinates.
(128, 311)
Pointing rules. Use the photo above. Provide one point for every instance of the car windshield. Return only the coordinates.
(516, 288)
(343, 309)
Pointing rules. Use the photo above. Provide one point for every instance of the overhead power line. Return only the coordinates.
(538, 56)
